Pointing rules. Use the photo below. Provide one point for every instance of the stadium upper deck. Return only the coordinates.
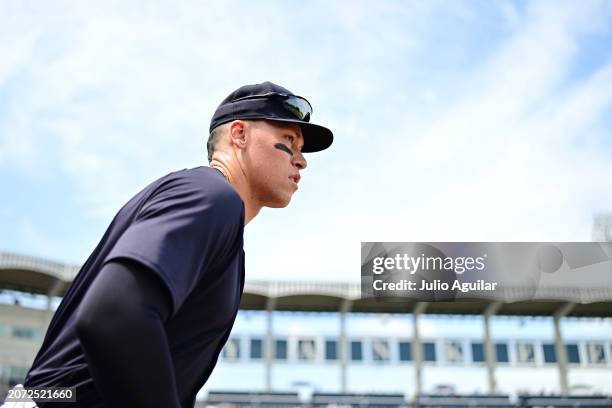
(34, 275)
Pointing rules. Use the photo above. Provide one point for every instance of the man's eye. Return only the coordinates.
(290, 138)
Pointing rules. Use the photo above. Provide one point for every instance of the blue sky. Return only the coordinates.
(454, 121)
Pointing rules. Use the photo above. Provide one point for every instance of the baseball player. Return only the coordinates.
(145, 319)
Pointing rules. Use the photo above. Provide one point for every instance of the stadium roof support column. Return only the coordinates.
(490, 357)
(417, 348)
(345, 308)
(560, 350)
(269, 347)
(55, 289)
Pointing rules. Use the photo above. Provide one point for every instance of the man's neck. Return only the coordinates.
(237, 180)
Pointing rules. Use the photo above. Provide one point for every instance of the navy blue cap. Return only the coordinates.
(271, 102)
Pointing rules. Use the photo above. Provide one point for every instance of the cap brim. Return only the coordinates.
(316, 137)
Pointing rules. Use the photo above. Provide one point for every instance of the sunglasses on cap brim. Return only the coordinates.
(296, 105)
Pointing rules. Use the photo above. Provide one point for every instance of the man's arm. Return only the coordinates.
(120, 326)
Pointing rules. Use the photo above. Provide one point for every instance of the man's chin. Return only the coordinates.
(280, 203)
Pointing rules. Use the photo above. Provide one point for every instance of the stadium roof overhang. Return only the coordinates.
(33, 275)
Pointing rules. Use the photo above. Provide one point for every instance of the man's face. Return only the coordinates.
(273, 159)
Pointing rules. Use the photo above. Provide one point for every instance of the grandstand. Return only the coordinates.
(320, 344)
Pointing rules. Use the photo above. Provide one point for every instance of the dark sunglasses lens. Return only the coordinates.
(298, 107)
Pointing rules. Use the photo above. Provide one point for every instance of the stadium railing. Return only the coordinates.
(321, 400)
(254, 399)
(463, 401)
(572, 401)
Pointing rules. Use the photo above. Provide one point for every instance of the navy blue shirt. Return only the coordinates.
(186, 227)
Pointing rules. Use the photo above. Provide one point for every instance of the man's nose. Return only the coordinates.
(299, 161)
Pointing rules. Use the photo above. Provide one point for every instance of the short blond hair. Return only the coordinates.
(213, 139)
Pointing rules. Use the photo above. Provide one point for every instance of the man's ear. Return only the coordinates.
(237, 133)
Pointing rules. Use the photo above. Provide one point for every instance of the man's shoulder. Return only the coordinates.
(207, 184)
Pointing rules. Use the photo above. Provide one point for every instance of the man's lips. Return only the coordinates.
(295, 177)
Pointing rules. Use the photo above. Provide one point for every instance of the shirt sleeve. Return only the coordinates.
(184, 230)
(120, 325)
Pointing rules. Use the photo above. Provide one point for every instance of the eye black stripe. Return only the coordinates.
(284, 148)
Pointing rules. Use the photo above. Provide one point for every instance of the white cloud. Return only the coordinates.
(518, 158)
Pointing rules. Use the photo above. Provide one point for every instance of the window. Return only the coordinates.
(453, 352)
(550, 354)
(306, 350)
(573, 356)
(256, 349)
(478, 353)
(380, 350)
(595, 353)
(405, 352)
(356, 350)
(331, 350)
(231, 350)
(525, 353)
(280, 349)
(501, 353)
(429, 350)
(25, 332)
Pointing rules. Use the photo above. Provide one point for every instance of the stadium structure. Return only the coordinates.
(321, 344)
